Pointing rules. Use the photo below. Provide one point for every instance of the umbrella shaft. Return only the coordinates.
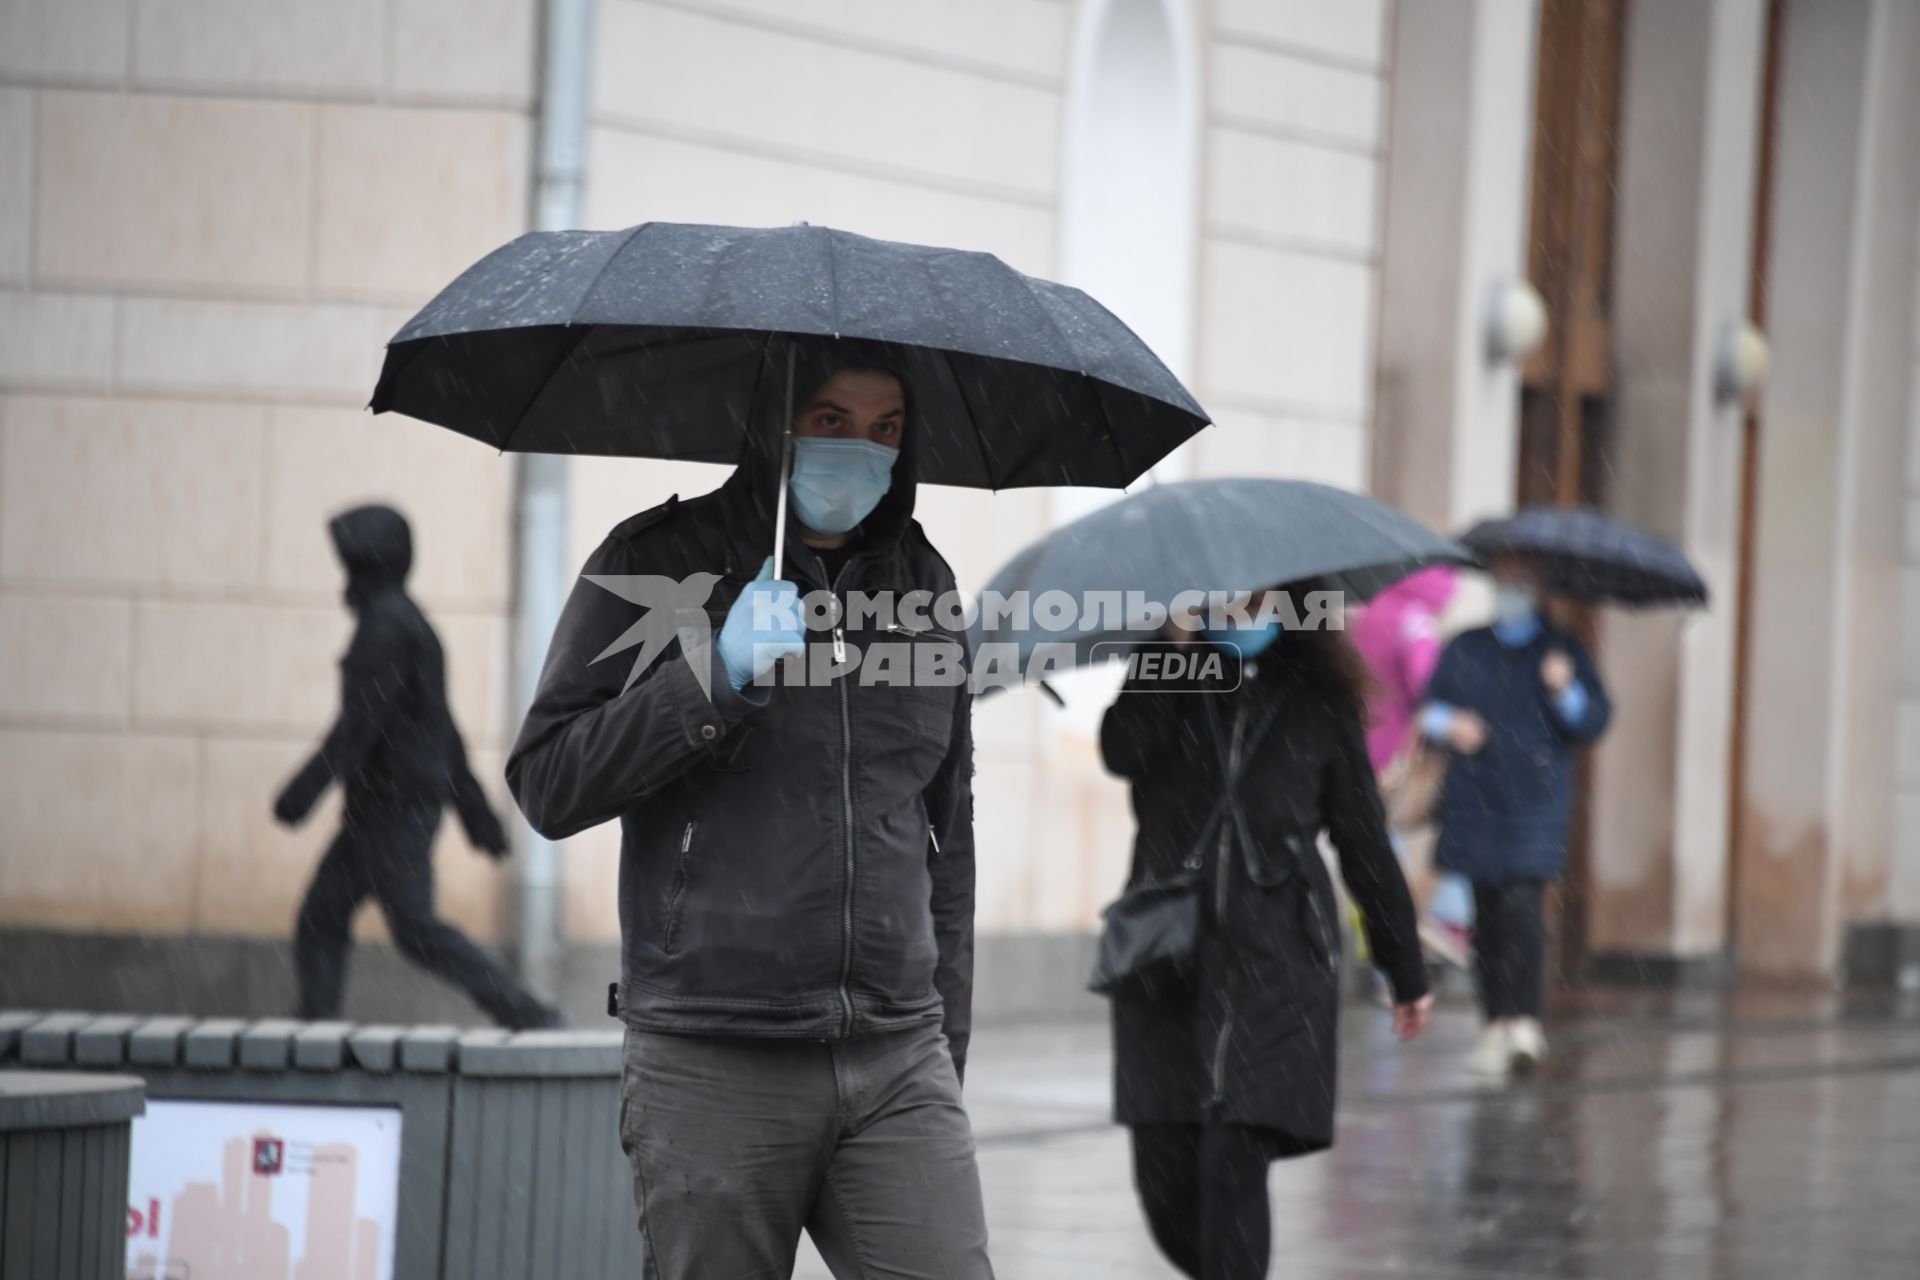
(786, 464)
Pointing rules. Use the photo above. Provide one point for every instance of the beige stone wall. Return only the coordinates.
(228, 205)
(1660, 790)
(909, 122)
(1827, 658)
(1295, 100)
(1903, 874)
(947, 124)
(1457, 186)
(214, 214)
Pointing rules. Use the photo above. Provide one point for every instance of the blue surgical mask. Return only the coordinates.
(1516, 615)
(1251, 641)
(837, 483)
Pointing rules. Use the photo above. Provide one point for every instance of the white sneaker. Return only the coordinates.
(1492, 1053)
(1527, 1044)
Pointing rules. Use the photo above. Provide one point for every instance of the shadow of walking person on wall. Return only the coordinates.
(400, 761)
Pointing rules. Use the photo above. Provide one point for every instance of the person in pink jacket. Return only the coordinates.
(1398, 634)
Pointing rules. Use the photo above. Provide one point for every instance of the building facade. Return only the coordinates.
(220, 210)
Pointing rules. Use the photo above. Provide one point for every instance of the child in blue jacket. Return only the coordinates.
(1511, 703)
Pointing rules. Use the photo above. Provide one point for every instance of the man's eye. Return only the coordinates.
(830, 420)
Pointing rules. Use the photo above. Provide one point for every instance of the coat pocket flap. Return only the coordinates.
(1277, 859)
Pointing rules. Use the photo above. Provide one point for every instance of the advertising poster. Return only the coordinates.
(262, 1191)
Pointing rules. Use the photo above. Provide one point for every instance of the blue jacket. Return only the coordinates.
(1504, 809)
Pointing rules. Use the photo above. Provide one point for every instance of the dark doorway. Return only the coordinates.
(1566, 398)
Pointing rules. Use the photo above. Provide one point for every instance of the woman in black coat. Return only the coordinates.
(1235, 1067)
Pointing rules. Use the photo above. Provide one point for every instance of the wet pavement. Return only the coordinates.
(1765, 1134)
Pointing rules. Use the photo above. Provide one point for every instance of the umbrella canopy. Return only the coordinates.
(1583, 555)
(1211, 536)
(657, 341)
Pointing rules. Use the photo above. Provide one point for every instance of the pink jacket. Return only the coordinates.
(1398, 634)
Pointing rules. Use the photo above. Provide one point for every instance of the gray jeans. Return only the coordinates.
(738, 1145)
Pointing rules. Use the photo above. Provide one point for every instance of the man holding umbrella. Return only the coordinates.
(796, 889)
(797, 899)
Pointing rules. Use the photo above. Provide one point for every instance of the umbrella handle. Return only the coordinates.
(786, 467)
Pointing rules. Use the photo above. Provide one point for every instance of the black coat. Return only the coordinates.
(394, 748)
(798, 868)
(1251, 1039)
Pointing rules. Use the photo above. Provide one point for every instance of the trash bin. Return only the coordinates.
(477, 1155)
(537, 1187)
(64, 1142)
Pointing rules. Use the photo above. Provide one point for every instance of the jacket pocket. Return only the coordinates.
(677, 896)
(935, 659)
(1277, 860)
(1317, 926)
(929, 712)
(1288, 867)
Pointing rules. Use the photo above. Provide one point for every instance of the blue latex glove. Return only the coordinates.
(748, 651)
(1571, 703)
(1435, 719)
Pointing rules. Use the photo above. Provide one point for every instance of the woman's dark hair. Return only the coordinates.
(1324, 658)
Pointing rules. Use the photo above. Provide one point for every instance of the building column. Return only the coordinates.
(1659, 829)
(1458, 161)
(1818, 800)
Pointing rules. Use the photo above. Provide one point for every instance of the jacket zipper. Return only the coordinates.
(1220, 1060)
(846, 795)
(1225, 850)
(679, 891)
(1224, 859)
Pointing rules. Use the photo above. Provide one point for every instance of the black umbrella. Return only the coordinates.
(1226, 535)
(1583, 555)
(655, 341)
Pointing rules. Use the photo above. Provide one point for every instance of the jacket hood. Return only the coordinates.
(374, 545)
(1432, 587)
(756, 480)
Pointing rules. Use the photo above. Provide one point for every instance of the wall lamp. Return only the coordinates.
(1740, 364)
(1516, 321)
